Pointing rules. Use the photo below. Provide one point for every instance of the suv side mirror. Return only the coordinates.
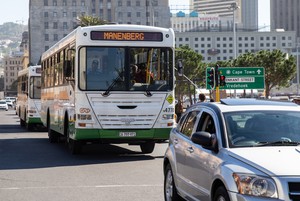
(206, 140)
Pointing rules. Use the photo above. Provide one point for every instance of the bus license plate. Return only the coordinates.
(127, 134)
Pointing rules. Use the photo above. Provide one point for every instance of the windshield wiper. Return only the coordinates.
(106, 93)
(279, 143)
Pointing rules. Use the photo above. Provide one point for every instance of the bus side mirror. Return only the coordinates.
(67, 68)
(180, 68)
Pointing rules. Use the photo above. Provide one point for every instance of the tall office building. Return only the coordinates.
(51, 20)
(246, 14)
(285, 15)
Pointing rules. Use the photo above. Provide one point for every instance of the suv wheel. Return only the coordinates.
(221, 194)
(170, 191)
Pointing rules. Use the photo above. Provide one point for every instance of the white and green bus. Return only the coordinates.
(28, 106)
(110, 84)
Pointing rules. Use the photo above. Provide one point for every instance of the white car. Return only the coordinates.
(10, 103)
(235, 150)
(3, 105)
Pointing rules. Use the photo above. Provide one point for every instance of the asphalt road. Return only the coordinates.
(33, 169)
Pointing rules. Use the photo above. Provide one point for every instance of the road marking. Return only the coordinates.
(96, 186)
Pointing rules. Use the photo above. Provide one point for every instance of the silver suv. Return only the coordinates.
(235, 150)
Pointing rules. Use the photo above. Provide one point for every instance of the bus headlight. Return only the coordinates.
(255, 185)
(168, 116)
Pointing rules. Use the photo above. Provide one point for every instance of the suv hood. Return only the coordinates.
(279, 161)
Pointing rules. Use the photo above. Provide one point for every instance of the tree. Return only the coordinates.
(194, 69)
(280, 68)
(86, 20)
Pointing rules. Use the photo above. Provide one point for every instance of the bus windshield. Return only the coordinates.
(35, 87)
(126, 68)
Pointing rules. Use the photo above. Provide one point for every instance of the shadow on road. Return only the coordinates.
(31, 153)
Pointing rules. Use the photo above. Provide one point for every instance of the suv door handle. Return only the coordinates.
(190, 149)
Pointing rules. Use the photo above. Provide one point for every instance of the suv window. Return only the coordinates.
(206, 123)
(188, 124)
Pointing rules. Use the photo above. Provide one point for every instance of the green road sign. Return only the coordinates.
(241, 77)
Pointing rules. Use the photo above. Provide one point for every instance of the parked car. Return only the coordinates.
(10, 103)
(3, 105)
(237, 149)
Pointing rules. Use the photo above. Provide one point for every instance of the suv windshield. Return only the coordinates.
(257, 128)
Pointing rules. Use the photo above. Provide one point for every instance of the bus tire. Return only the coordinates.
(73, 145)
(52, 135)
(147, 147)
(22, 122)
(29, 127)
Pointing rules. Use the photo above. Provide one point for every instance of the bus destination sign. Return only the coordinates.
(126, 36)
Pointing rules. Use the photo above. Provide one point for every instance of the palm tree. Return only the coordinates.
(86, 20)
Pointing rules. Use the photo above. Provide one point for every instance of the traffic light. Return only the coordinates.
(222, 80)
(180, 68)
(211, 78)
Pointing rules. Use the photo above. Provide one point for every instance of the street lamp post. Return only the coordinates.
(297, 69)
(234, 6)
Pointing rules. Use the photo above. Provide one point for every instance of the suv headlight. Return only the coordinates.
(255, 185)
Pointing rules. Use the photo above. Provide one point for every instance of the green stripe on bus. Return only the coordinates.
(34, 121)
(159, 133)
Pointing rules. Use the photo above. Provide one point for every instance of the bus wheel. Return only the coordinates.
(29, 127)
(22, 123)
(74, 146)
(52, 135)
(147, 147)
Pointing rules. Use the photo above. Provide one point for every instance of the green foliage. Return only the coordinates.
(86, 20)
(194, 69)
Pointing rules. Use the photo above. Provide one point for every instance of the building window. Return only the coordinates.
(46, 25)
(129, 14)
(283, 37)
(74, 3)
(196, 39)
(82, 3)
(45, 14)
(128, 3)
(74, 14)
(64, 2)
(55, 37)
(55, 25)
(119, 3)
(138, 3)
(54, 14)
(54, 3)
(65, 25)
(138, 14)
(46, 37)
(65, 14)
(45, 2)
(186, 39)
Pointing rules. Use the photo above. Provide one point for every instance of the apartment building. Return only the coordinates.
(218, 46)
(51, 20)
